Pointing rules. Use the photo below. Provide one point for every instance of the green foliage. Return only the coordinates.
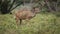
(6, 6)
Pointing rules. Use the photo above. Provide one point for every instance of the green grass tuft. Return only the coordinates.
(40, 24)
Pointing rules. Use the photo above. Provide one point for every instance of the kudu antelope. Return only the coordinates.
(26, 14)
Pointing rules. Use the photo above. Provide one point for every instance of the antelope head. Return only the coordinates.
(36, 10)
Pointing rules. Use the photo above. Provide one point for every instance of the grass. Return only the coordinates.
(43, 23)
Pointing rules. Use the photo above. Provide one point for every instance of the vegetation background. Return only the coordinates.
(46, 22)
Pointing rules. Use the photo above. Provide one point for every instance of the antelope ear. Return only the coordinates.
(32, 10)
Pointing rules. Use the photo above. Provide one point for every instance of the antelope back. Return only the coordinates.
(24, 14)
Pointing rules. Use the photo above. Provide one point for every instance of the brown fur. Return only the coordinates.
(25, 14)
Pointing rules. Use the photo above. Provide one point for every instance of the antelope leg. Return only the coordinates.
(20, 21)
